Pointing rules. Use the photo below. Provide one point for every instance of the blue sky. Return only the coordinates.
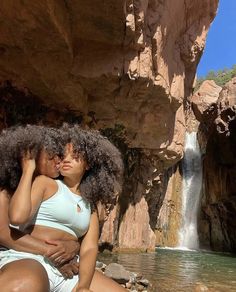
(220, 50)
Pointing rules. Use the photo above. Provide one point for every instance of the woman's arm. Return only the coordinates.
(23, 205)
(88, 254)
(13, 238)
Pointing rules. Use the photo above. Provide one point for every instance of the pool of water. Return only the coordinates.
(178, 270)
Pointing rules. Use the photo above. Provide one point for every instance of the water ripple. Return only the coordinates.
(180, 271)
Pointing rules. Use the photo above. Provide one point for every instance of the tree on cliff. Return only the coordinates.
(221, 77)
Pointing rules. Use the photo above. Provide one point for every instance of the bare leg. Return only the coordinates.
(24, 275)
(101, 283)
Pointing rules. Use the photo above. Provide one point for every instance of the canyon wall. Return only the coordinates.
(124, 67)
(215, 108)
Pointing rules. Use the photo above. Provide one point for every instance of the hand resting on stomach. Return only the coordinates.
(68, 245)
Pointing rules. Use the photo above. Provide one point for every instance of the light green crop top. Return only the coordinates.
(65, 211)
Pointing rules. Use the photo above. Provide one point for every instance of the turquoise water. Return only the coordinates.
(175, 270)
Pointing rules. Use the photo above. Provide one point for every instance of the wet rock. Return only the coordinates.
(134, 282)
(139, 287)
(99, 265)
(201, 288)
(118, 273)
(144, 282)
(128, 285)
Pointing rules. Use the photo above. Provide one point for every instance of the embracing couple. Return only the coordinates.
(49, 227)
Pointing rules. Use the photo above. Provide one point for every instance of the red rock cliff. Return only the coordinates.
(216, 110)
(120, 65)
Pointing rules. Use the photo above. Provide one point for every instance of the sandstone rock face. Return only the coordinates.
(169, 217)
(127, 64)
(205, 99)
(135, 231)
(218, 135)
(125, 61)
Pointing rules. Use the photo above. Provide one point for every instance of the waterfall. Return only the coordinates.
(192, 183)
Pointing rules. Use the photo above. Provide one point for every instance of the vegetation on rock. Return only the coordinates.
(221, 77)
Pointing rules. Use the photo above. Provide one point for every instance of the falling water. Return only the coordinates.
(192, 182)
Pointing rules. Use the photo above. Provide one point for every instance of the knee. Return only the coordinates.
(20, 285)
(32, 283)
(35, 280)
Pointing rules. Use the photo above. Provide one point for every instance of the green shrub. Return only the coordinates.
(221, 77)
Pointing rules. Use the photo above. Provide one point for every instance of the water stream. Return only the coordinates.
(171, 270)
(192, 183)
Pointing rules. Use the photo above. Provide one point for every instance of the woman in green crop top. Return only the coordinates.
(91, 170)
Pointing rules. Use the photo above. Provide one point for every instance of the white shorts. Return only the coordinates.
(56, 280)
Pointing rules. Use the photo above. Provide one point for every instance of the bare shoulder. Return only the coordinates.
(42, 179)
(49, 185)
(44, 184)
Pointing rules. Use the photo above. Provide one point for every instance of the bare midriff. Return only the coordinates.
(49, 233)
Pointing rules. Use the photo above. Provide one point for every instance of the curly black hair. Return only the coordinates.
(103, 181)
(16, 141)
(52, 142)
